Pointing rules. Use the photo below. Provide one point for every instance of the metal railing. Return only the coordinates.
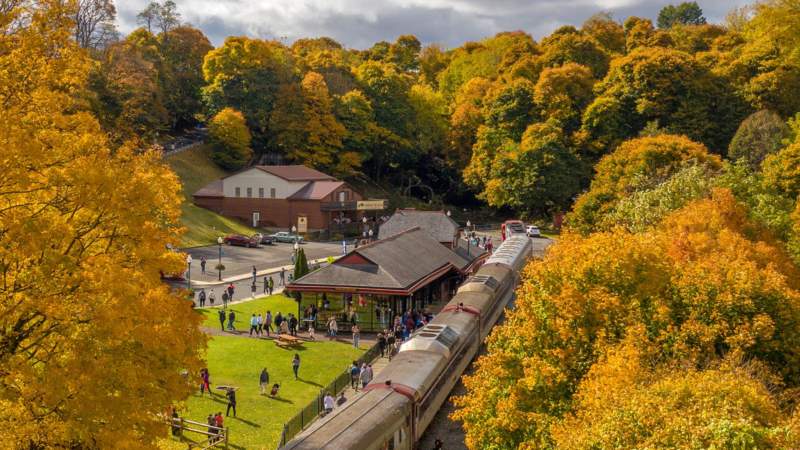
(312, 410)
(338, 206)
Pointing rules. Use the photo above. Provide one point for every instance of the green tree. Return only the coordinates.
(605, 31)
(562, 93)
(538, 176)
(183, 50)
(686, 13)
(230, 139)
(404, 53)
(246, 74)
(572, 46)
(511, 108)
(759, 135)
(782, 171)
(322, 133)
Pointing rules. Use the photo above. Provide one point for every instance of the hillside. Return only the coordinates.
(195, 169)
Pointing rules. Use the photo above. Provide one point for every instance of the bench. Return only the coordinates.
(288, 341)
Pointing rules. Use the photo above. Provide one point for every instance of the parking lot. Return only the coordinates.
(240, 260)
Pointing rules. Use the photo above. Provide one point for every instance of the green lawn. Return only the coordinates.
(195, 169)
(238, 361)
(274, 303)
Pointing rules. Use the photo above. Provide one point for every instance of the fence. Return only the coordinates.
(311, 412)
(212, 436)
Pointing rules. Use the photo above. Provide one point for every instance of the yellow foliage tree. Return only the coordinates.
(636, 164)
(705, 284)
(92, 344)
(230, 137)
(782, 170)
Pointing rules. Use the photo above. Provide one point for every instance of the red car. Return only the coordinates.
(244, 241)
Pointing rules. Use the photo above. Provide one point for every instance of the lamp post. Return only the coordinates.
(188, 271)
(469, 237)
(219, 263)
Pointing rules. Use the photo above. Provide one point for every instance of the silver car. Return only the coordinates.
(285, 236)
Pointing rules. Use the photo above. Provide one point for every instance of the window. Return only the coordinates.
(238, 192)
(260, 192)
(249, 192)
(271, 192)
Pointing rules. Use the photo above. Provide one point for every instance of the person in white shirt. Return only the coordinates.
(328, 402)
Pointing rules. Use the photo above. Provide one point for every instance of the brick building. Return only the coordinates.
(283, 196)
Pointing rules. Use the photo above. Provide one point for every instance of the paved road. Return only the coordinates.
(240, 260)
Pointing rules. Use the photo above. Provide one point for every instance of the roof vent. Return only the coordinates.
(432, 338)
(483, 279)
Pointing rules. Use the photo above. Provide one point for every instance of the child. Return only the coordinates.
(274, 390)
(311, 333)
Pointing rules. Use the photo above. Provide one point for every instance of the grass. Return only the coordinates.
(237, 361)
(274, 303)
(195, 169)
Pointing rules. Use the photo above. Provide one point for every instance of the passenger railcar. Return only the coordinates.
(398, 405)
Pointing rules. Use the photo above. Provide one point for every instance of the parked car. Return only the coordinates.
(285, 236)
(265, 239)
(533, 231)
(244, 241)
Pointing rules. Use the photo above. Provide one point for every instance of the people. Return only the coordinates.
(311, 333)
(340, 401)
(327, 402)
(382, 343)
(230, 392)
(221, 320)
(231, 320)
(354, 373)
(356, 335)
(274, 391)
(212, 297)
(437, 444)
(333, 328)
(284, 327)
(205, 381)
(296, 365)
(263, 380)
(270, 285)
(202, 297)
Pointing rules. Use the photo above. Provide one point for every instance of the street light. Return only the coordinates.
(189, 271)
(219, 264)
(469, 237)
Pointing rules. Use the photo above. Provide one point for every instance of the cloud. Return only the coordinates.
(359, 24)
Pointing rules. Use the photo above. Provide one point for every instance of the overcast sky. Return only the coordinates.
(359, 24)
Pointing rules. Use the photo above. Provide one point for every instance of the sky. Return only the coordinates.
(359, 24)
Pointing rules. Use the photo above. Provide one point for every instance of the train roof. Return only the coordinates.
(509, 251)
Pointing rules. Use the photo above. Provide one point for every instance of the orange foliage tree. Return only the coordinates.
(92, 344)
(705, 284)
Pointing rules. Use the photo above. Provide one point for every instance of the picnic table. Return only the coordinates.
(287, 340)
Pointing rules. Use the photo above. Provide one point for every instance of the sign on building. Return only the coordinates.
(302, 224)
(367, 205)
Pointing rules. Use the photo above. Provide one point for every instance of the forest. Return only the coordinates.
(510, 121)
(667, 315)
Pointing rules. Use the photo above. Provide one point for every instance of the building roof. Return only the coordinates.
(296, 173)
(316, 190)
(403, 262)
(436, 223)
(213, 189)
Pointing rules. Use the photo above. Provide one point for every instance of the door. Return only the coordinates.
(256, 218)
(302, 224)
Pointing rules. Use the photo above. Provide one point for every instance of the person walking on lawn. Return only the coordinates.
(295, 364)
(263, 380)
(259, 324)
(205, 381)
(222, 320)
(231, 394)
(253, 325)
(231, 319)
(268, 322)
(292, 325)
(333, 328)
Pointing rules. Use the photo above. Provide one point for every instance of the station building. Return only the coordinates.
(409, 270)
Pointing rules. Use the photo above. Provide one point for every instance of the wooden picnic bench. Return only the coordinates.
(287, 340)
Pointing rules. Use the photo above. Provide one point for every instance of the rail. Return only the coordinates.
(216, 436)
(312, 410)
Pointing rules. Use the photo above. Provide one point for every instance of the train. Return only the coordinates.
(393, 411)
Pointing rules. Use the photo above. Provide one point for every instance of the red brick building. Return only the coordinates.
(283, 196)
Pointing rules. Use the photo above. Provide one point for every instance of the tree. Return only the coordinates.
(574, 47)
(638, 164)
(94, 23)
(758, 136)
(404, 53)
(562, 93)
(163, 16)
(668, 86)
(782, 171)
(511, 108)
(704, 285)
(322, 133)
(538, 176)
(246, 74)
(605, 31)
(230, 139)
(183, 50)
(101, 216)
(686, 13)
(432, 60)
